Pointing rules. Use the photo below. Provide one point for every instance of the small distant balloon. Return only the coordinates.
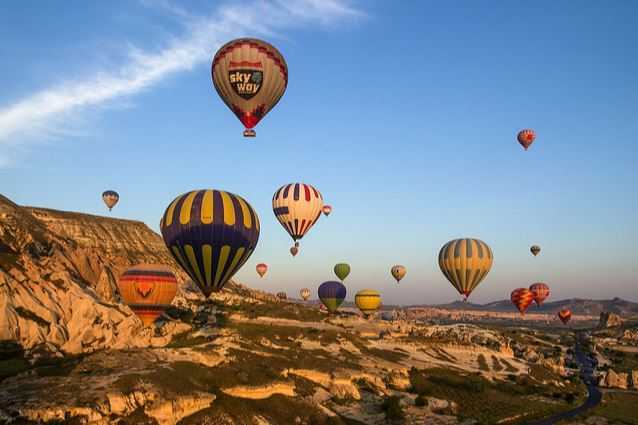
(522, 298)
(342, 270)
(327, 209)
(297, 207)
(261, 268)
(148, 290)
(110, 198)
(398, 272)
(368, 301)
(540, 291)
(282, 296)
(526, 137)
(535, 249)
(305, 293)
(332, 294)
(565, 315)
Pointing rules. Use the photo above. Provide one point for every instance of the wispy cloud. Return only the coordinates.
(42, 115)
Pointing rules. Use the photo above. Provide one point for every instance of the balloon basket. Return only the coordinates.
(249, 132)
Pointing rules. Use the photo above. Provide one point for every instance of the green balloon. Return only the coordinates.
(342, 270)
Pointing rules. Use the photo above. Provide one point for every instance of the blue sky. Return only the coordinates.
(404, 118)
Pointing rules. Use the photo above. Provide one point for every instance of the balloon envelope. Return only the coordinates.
(261, 268)
(297, 206)
(522, 298)
(250, 76)
(565, 315)
(535, 249)
(110, 198)
(398, 272)
(211, 234)
(327, 209)
(540, 291)
(465, 263)
(305, 293)
(332, 294)
(342, 270)
(368, 301)
(526, 137)
(148, 290)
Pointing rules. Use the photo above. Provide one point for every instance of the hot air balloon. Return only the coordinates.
(526, 137)
(297, 206)
(110, 198)
(398, 272)
(305, 293)
(522, 298)
(342, 270)
(465, 263)
(148, 290)
(282, 296)
(294, 251)
(332, 294)
(565, 315)
(368, 301)
(540, 291)
(211, 234)
(261, 269)
(250, 76)
(535, 249)
(327, 209)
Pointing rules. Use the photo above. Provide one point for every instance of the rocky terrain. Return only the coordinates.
(70, 352)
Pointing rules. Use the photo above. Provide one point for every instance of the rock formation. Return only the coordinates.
(609, 320)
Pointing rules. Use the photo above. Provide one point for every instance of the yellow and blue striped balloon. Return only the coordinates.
(211, 234)
(465, 263)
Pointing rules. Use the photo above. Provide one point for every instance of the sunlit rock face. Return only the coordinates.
(609, 320)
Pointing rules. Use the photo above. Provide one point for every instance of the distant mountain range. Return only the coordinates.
(576, 305)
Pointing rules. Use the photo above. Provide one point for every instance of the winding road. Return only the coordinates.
(587, 376)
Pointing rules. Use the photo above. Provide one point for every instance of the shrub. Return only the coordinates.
(392, 408)
(421, 401)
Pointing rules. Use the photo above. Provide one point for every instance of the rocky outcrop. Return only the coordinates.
(609, 320)
(398, 379)
(612, 379)
(261, 392)
(634, 379)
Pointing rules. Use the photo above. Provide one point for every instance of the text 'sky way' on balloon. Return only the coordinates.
(535, 250)
(526, 137)
(148, 290)
(540, 291)
(327, 209)
(465, 263)
(368, 301)
(342, 270)
(565, 315)
(282, 296)
(110, 198)
(398, 272)
(250, 76)
(297, 206)
(332, 294)
(522, 298)
(211, 234)
(261, 268)
(305, 293)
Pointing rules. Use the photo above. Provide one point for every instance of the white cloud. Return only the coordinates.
(43, 115)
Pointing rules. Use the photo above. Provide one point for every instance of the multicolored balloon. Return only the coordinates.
(465, 263)
(211, 234)
(332, 294)
(526, 137)
(261, 268)
(398, 272)
(250, 76)
(148, 290)
(282, 296)
(565, 315)
(110, 198)
(368, 301)
(297, 206)
(535, 249)
(522, 298)
(342, 270)
(305, 293)
(540, 291)
(327, 209)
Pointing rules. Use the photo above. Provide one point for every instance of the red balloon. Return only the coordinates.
(526, 137)
(522, 298)
(565, 315)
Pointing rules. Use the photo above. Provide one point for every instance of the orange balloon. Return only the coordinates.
(522, 298)
(148, 290)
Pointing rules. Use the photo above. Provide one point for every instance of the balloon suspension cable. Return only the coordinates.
(249, 132)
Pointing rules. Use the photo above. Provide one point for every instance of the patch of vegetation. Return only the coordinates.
(284, 310)
(622, 361)
(11, 367)
(496, 365)
(617, 407)
(29, 315)
(482, 362)
(183, 339)
(421, 401)
(392, 407)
